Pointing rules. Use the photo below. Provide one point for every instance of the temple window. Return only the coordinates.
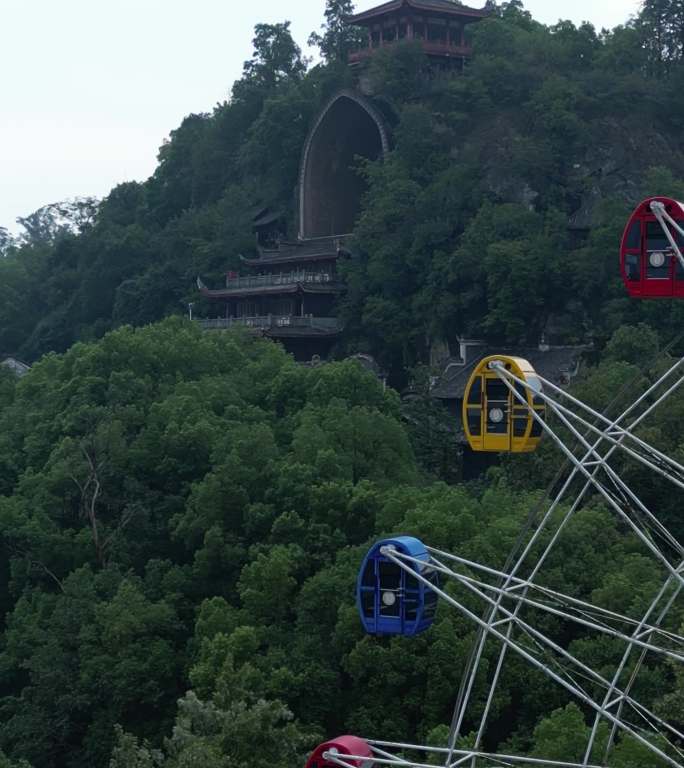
(455, 34)
(248, 309)
(437, 32)
(389, 34)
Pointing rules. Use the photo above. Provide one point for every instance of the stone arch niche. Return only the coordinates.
(330, 187)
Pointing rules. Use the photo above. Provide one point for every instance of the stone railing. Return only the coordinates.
(289, 278)
(271, 322)
(431, 47)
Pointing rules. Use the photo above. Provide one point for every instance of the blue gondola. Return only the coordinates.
(390, 600)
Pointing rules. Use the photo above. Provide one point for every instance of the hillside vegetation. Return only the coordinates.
(465, 229)
(183, 515)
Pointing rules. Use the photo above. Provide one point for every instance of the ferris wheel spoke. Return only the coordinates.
(578, 468)
(504, 410)
(601, 462)
(642, 629)
(676, 591)
(507, 640)
(465, 691)
(603, 628)
(649, 457)
(353, 761)
(381, 753)
(614, 427)
(602, 490)
(613, 432)
(465, 755)
(547, 643)
(652, 458)
(589, 466)
(585, 611)
(631, 504)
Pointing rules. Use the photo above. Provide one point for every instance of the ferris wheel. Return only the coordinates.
(509, 408)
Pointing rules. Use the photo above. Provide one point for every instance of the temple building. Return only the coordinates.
(290, 290)
(439, 26)
(290, 296)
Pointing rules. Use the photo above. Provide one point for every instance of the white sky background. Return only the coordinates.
(89, 89)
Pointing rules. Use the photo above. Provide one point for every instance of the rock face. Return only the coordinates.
(615, 162)
(18, 368)
(330, 187)
(611, 161)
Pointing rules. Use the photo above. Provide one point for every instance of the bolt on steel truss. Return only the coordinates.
(505, 593)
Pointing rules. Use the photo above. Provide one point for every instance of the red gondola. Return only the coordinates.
(342, 746)
(651, 257)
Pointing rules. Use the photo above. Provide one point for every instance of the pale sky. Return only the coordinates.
(89, 89)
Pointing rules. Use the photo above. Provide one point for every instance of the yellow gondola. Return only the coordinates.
(493, 418)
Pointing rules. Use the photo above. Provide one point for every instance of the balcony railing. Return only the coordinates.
(273, 280)
(272, 322)
(431, 47)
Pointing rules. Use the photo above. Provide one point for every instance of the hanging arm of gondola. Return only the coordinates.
(664, 218)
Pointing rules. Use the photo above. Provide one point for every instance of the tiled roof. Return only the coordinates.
(274, 290)
(310, 332)
(419, 5)
(558, 364)
(301, 250)
(267, 217)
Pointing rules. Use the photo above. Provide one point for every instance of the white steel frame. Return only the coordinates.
(506, 593)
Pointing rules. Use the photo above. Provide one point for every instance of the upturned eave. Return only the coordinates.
(429, 6)
(272, 290)
(289, 259)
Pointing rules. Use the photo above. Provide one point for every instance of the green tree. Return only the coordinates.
(339, 37)
(276, 59)
(5, 762)
(129, 753)
(44, 226)
(563, 736)
(661, 23)
(638, 345)
(182, 515)
(5, 241)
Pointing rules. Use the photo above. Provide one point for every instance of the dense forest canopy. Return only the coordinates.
(182, 515)
(537, 151)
